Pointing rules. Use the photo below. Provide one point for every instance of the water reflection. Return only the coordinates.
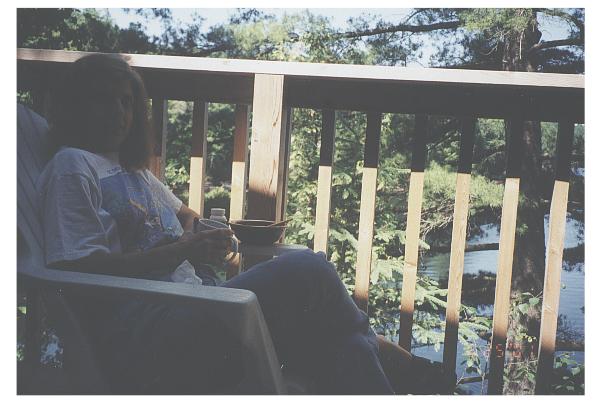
(480, 264)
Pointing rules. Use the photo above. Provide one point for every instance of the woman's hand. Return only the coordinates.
(208, 246)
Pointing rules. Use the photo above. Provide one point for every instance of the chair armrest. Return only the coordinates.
(239, 307)
(149, 289)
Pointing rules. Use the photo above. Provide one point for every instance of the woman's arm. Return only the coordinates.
(206, 245)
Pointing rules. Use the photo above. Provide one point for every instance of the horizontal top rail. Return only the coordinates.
(500, 94)
(325, 70)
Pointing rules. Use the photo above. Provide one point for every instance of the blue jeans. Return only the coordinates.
(317, 330)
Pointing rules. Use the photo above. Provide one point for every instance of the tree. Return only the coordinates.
(509, 40)
(78, 29)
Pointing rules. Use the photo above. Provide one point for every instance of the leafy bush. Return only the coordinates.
(568, 376)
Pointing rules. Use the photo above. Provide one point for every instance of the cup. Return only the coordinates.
(202, 224)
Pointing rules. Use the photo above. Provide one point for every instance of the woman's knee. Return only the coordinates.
(314, 266)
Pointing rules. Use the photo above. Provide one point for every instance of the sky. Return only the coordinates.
(338, 17)
(215, 16)
(551, 30)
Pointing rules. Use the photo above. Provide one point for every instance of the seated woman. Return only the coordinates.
(104, 212)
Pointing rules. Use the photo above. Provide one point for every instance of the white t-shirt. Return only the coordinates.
(90, 204)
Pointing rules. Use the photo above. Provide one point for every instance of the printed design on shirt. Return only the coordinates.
(114, 170)
(143, 220)
(139, 206)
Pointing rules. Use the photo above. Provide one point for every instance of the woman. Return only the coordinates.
(104, 212)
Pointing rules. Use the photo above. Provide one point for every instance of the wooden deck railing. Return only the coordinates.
(274, 88)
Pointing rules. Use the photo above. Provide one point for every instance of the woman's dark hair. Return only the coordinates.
(69, 103)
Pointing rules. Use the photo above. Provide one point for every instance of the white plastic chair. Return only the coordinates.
(82, 375)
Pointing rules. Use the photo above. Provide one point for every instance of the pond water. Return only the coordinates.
(572, 302)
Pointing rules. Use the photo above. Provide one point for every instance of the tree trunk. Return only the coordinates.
(529, 255)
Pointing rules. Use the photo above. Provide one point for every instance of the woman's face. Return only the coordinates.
(109, 114)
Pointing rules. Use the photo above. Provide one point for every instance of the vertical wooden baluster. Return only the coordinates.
(324, 181)
(267, 147)
(555, 248)
(501, 307)
(239, 162)
(458, 244)
(159, 117)
(408, 291)
(367, 207)
(198, 157)
(287, 126)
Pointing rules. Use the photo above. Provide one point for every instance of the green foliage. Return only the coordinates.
(568, 377)
(21, 315)
(78, 29)
(523, 304)
(51, 352)
(178, 179)
(217, 197)
(520, 374)
(489, 149)
(500, 20)
(25, 98)
(390, 216)
(218, 160)
(439, 196)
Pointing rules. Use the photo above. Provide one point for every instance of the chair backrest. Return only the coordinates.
(34, 150)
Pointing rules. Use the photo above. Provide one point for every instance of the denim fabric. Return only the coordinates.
(316, 327)
(317, 330)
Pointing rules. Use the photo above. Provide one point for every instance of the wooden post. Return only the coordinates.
(555, 248)
(408, 290)
(501, 307)
(198, 157)
(268, 153)
(159, 117)
(324, 181)
(267, 148)
(367, 207)
(239, 162)
(284, 160)
(458, 244)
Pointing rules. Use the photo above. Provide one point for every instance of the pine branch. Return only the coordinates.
(487, 65)
(469, 248)
(555, 43)
(562, 42)
(218, 48)
(400, 28)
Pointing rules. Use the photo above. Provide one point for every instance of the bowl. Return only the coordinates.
(255, 231)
